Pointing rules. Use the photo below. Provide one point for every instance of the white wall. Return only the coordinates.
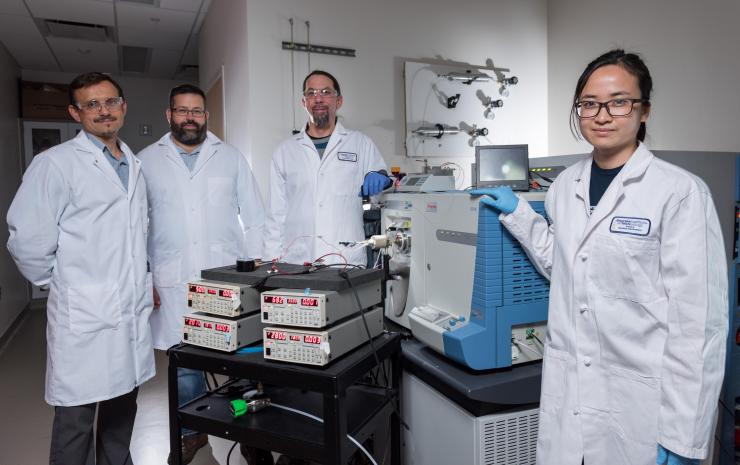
(384, 33)
(223, 42)
(693, 52)
(14, 289)
(147, 100)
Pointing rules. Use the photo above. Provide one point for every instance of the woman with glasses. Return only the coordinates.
(635, 347)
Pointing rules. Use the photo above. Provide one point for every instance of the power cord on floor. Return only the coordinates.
(228, 456)
(321, 420)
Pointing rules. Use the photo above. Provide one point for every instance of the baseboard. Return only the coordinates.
(8, 335)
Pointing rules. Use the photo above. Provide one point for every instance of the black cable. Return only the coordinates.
(345, 276)
(544, 177)
(228, 456)
(215, 382)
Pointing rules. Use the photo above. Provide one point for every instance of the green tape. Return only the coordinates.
(238, 407)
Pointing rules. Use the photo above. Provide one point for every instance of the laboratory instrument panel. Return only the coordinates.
(221, 333)
(426, 183)
(220, 298)
(315, 308)
(460, 282)
(312, 347)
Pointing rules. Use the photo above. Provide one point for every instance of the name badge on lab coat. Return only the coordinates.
(347, 156)
(628, 225)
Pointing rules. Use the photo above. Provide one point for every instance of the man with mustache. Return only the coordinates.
(78, 224)
(316, 179)
(205, 211)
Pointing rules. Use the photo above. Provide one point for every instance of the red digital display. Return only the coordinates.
(222, 328)
(277, 335)
(207, 325)
(309, 302)
(274, 299)
(212, 291)
(312, 339)
(197, 289)
(295, 337)
(228, 293)
(292, 301)
(192, 322)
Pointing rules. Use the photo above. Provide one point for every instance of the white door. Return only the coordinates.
(37, 137)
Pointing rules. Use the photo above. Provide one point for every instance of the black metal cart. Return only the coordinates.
(331, 393)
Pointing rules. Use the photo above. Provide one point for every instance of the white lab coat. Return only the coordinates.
(194, 222)
(74, 226)
(635, 347)
(315, 203)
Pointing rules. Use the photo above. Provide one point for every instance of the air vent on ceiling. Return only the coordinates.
(73, 30)
(145, 2)
(134, 59)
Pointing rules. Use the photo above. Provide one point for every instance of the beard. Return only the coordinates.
(189, 136)
(320, 118)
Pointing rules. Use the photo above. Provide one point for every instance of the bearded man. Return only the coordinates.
(317, 178)
(205, 211)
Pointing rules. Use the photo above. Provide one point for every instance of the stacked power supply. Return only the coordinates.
(307, 315)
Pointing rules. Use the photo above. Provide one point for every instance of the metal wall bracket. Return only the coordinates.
(325, 49)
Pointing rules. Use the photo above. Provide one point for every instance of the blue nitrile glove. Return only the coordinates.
(502, 198)
(666, 457)
(374, 183)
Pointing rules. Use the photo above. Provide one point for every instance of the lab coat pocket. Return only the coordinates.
(554, 368)
(167, 271)
(93, 307)
(626, 268)
(634, 404)
(220, 191)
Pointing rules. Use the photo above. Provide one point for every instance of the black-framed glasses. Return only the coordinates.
(182, 111)
(326, 92)
(614, 107)
(112, 103)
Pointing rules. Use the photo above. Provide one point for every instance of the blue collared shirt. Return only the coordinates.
(189, 157)
(120, 166)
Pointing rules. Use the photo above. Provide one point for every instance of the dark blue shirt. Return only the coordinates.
(600, 180)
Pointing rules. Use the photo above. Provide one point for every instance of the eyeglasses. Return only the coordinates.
(113, 103)
(614, 107)
(325, 92)
(182, 111)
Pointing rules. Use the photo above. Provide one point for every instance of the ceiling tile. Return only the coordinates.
(23, 40)
(81, 56)
(13, 7)
(182, 5)
(164, 63)
(80, 11)
(146, 26)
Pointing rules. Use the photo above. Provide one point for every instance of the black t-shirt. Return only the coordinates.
(600, 180)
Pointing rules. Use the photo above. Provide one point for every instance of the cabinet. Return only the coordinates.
(330, 392)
